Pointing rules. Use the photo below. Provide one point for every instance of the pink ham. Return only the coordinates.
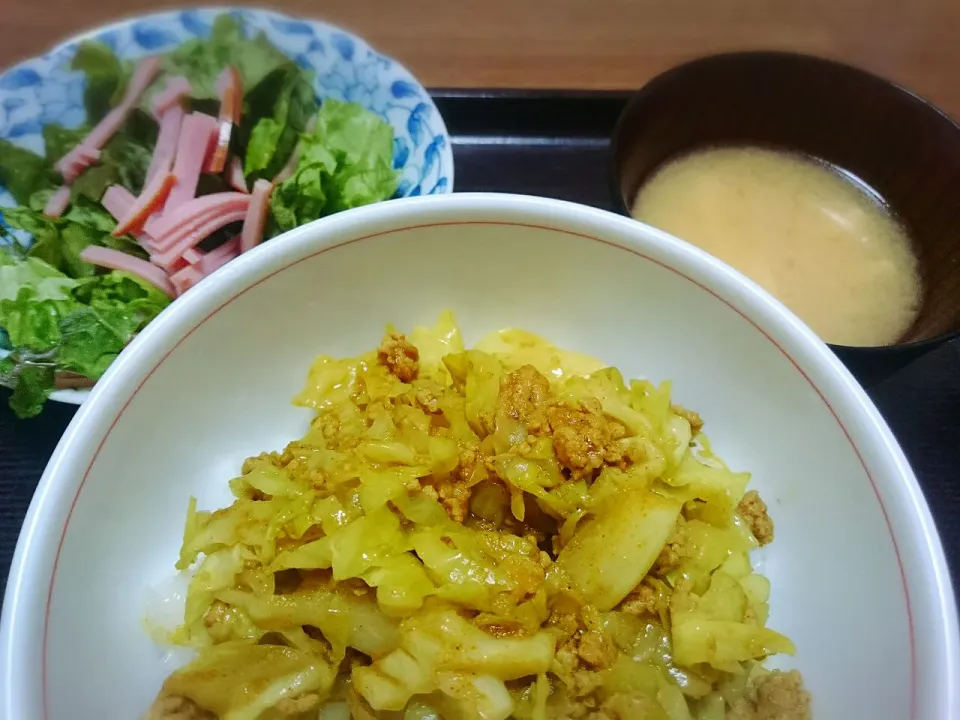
(176, 89)
(193, 256)
(168, 258)
(217, 157)
(117, 201)
(173, 224)
(58, 202)
(184, 279)
(256, 215)
(198, 133)
(117, 260)
(234, 175)
(230, 88)
(166, 147)
(77, 160)
(287, 170)
(218, 257)
(144, 206)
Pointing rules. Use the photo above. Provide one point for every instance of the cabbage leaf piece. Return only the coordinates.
(239, 681)
(442, 651)
(610, 553)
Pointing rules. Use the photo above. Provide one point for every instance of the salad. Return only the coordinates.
(187, 160)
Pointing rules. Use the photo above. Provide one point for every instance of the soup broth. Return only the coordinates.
(815, 238)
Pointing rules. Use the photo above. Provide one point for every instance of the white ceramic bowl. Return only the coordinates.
(858, 573)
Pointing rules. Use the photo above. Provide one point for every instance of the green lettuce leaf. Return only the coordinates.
(59, 241)
(121, 292)
(116, 307)
(31, 382)
(90, 214)
(106, 77)
(75, 326)
(23, 172)
(58, 140)
(90, 342)
(201, 60)
(346, 161)
(46, 281)
(278, 110)
(124, 160)
(33, 323)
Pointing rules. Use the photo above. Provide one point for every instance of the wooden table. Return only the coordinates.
(609, 44)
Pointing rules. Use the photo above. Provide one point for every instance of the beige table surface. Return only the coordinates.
(600, 44)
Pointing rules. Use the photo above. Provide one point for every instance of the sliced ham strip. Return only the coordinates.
(217, 159)
(117, 260)
(287, 170)
(230, 88)
(234, 175)
(256, 215)
(168, 258)
(218, 257)
(117, 201)
(58, 202)
(184, 279)
(197, 135)
(182, 220)
(77, 160)
(144, 206)
(193, 256)
(166, 148)
(176, 89)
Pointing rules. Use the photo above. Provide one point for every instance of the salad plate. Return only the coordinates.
(50, 90)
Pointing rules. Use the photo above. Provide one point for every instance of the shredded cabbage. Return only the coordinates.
(506, 531)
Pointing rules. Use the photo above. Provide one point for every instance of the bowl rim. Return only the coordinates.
(914, 348)
(30, 579)
(79, 396)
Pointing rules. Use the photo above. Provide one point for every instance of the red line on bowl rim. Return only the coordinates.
(633, 251)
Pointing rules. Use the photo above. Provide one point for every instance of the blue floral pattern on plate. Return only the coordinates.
(44, 90)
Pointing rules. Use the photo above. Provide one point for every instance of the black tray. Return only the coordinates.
(555, 145)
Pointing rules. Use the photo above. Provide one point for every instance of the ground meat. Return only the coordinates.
(696, 423)
(642, 600)
(454, 492)
(466, 463)
(565, 662)
(401, 358)
(176, 707)
(584, 439)
(776, 696)
(296, 459)
(524, 395)
(260, 460)
(585, 682)
(754, 511)
(455, 498)
(427, 394)
(594, 650)
(673, 553)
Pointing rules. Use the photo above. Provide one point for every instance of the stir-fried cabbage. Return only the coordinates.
(507, 531)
